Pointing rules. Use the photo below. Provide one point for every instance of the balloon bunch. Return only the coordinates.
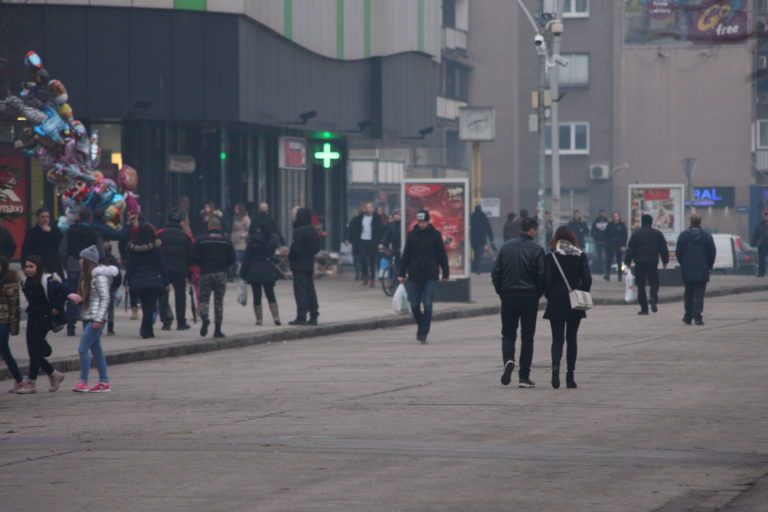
(65, 150)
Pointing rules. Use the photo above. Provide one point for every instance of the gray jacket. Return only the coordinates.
(98, 301)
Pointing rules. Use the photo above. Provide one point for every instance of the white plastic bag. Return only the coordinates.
(242, 295)
(400, 304)
(630, 289)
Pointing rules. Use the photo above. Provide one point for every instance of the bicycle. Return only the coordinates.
(388, 272)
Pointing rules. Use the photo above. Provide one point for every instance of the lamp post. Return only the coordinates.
(689, 166)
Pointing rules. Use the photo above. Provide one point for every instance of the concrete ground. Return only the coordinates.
(667, 417)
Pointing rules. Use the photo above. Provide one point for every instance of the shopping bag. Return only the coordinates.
(630, 290)
(400, 300)
(242, 295)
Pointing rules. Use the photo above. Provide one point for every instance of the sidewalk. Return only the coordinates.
(345, 306)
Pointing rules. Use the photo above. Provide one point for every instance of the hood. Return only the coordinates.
(105, 270)
(133, 246)
(697, 234)
(303, 217)
(566, 248)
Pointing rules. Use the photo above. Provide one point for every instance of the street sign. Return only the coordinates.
(491, 207)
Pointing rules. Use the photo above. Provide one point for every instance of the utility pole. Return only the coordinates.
(556, 28)
(541, 204)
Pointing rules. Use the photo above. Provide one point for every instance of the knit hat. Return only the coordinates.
(422, 215)
(90, 254)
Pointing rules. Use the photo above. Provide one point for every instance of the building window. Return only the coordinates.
(455, 80)
(575, 8)
(576, 73)
(762, 134)
(449, 13)
(574, 139)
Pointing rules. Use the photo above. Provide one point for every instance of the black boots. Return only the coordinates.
(204, 328)
(569, 382)
(298, 321)
(313, 319)
(556, 376)
(217, 332)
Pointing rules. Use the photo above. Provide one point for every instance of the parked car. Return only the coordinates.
(734, 255)
(746, 258)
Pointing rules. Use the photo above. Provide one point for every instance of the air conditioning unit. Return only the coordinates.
(599, 172)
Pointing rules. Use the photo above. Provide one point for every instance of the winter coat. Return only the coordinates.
(257, 265)
(616, 235)
(213, 253)
(392, 236)
(239, 234)
(575, 265)
(519, 267)
(98, 301)
(177, 248)
(356, 228)
(580, 228)
(760, 236)
(695, 252)
(54, 296)
(511, 229)
(10, 311)
(480, 231)
(598, 229)
(646, 245)
(145, 269)
(77, 238)
(7, 243)
(424, 255)
(263, 219)
(305, 244)
(45, 245)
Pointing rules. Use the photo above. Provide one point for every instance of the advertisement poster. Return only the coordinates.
(685, 22)
(13, 194)
(447, 203)
(664, 203)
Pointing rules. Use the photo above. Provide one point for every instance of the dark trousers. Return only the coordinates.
(149, 300)
(305, 294)
(269, 292)
(612, 253)
(519, 310)
(601, 265)
(564, 331)
(694, 300)
(5, 352)
(421, 292)
(647, 272)
(479, 251)
(761, 255)
(37, 329)
(368, 259)
(179, 283)
(73, 310)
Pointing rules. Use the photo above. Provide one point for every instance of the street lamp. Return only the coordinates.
(689, 166)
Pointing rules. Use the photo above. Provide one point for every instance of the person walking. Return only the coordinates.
(93, 292)
(760, 241)
(480, 234)
(258, 270)
(564, 321)
(423, 257)
(599, 226)
(176, 246)
(43, 240)
(695, 251)
(304, 247)
(147, 275)
(511, 227)
(391, 240)
(214, 254)
(579, 227)
(366, 231)
(46, 297)
(241, 226)
(646, 246)
(615, 245)
(518, 278)
(7, 243)
(10, 314)
(354, 227)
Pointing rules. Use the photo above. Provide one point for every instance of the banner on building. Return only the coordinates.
(13, 194)
(685, 22)
(447, 201)
(292, 153)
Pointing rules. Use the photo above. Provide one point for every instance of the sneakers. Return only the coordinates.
(421, 339)
(204, 328)
(28, 388)
(56, 378)
(526, 383)
(16, 387)
(81, 387)
(506, 377)
(101, 387)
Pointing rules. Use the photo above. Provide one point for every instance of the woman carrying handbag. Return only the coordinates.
(566, 259)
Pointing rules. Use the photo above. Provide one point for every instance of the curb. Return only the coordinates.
(183, 348)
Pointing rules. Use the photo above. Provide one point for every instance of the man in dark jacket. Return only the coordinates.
(264, 218)
(366, 231)
(78, 237)
(518, 277)
(646, 246)
(615, 244)
(7, 243)
(423, 257)
(696, 253)
(305, 244)
(511, 227)
(579, 227)
(599, 226)
(392, 238)
(760, 241)
(480, 233)
(214, 253)
(177, 249)
(43, 240)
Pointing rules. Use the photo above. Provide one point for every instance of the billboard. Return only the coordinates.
(292, 153)
(447, 201)
(13, 194)
(715, 197)
(685, 22)
(664, 203)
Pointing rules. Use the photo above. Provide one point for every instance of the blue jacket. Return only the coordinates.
(696, 254)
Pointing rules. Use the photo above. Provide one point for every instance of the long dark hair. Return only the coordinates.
(563, 233)
(84, 284)
(144, 235)
(38, 262)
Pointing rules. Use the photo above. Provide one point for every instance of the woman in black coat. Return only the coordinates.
(146, 275)
(258, 270)
(563, 319)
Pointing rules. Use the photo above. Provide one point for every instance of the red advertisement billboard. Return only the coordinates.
(13, 194)
(447, 204)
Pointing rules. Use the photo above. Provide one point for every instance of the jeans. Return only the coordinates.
(269, 292)
(148, 299)
(5, 351)
(73, 310)
(90, 343)
(305, 294)
(179, 283)
(564, 331)
(520, 309)
(38, 325)
(694, 300)
(647, 272)
(612, 253)
(421, 292)
(368, 259)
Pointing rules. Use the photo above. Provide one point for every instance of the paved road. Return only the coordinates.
(667, 417)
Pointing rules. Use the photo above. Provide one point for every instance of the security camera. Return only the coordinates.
(562, 61)
(538, 41)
